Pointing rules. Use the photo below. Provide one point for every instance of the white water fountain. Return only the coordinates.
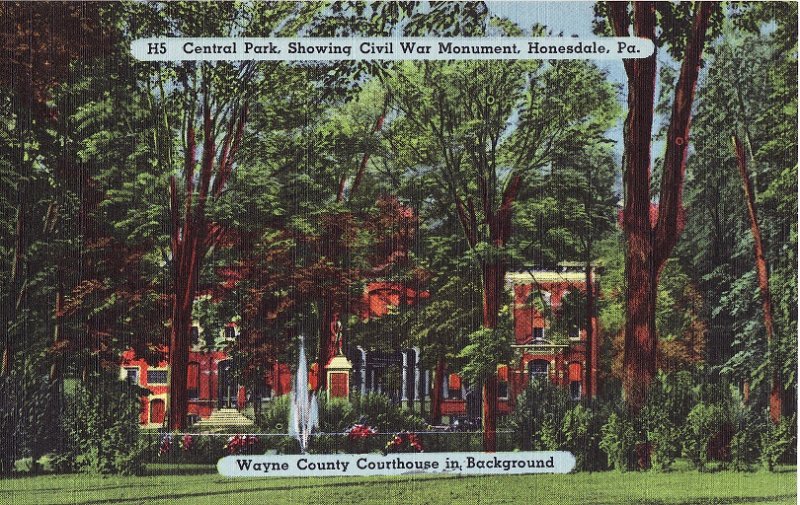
(304, 410)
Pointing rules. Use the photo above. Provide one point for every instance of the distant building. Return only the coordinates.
(542, 350)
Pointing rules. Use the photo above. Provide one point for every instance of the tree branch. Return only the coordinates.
(620, 21)
(638, 132)
(670, 208)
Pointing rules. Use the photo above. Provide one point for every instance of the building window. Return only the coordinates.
(193, 381)
(538, 369)
(575, 378)
(156, 376)
(502, 382)
(454, 387)
(502, 390)
(157, 409)
(538, 334)
(132, 375)
(575, 390)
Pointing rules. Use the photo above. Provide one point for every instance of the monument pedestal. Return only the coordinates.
(338, 374)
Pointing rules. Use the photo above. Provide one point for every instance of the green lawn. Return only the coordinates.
(201, 485)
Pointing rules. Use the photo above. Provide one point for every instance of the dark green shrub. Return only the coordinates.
(702, 424)
(102, 425)
(336, 415)
(745, 444)
(274, 419)
(778, 442)
(674, 394)
(452, 441)
(669, 401)
(548, 436)
(581, 432)
(28, 417)
(665, 441)
(378, 411)
(618, 441)
(538, 415)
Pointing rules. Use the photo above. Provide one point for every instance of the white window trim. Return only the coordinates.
(124, 373)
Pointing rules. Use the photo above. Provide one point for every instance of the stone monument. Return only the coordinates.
(339, 367)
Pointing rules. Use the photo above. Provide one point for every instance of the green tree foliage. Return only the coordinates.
(747, 93)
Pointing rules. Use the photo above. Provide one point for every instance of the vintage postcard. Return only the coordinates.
(398, 252)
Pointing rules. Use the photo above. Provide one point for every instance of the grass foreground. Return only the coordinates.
(200, 484)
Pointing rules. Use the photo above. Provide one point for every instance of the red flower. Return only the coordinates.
(238, 443)
(403, 439)
(360, 431)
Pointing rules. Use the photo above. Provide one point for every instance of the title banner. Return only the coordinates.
(343, 465)
(392, 48)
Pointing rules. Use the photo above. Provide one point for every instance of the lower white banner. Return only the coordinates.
(329, 465)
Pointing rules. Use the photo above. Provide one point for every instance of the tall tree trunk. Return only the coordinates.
(179, 343)
(775, 395)
(649, 244)
(436, 396)
(639, 362)
(493, 281)
(193, 236)
(55, 369)
(590, 364)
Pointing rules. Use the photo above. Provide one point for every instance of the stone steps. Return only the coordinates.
(226, 417)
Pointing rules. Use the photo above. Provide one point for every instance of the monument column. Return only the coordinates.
(363, 371)
(417, 392)
(404, 393)
(426, 387)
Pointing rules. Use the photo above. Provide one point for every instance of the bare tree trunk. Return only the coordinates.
(180, 338)
(193, 236)
(640, 341)
(775, 395)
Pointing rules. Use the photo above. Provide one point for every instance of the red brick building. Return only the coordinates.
(540, 350)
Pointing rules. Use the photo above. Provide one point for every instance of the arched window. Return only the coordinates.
(502, 382)
(157, 409)
(538, 369)
(193, 380)
(454, 387)
(575, 380)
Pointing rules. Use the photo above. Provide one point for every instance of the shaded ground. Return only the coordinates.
(187, 484)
